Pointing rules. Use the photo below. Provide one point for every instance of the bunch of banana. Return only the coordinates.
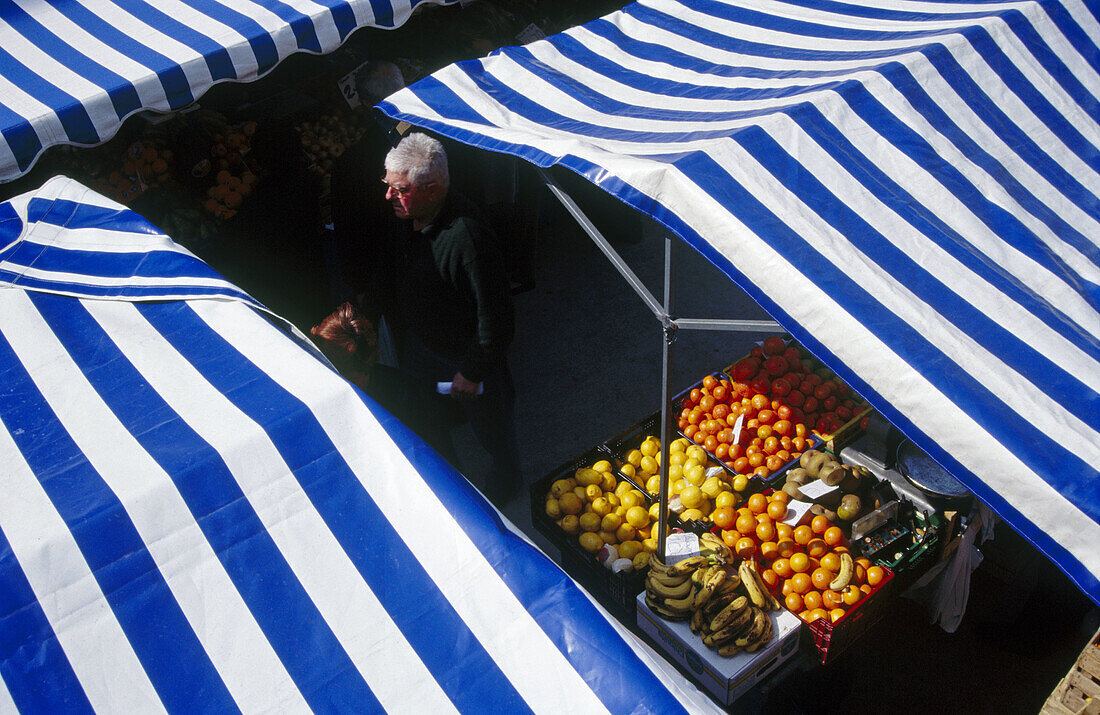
(732, 624)
(755, 587)
(714, 549)
(671, 590)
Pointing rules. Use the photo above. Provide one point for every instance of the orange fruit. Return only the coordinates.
(780, 496)
(787, 548)
(833, 536)
(801, 583)
(821, 578)
(803, 534)
(724, 517)
(782, 568)
(793, 602)
(851, 595)
(832, 599)
(746, 524)
(866, 589)
(746, 547)
(817, 548)
(800, 562)
(875, 575)
(811, 616)
(771, 578)
(783, 531)
(836, 614)
(765, 531)
(757, 503)
(777, 509)
(768, 549)
(812, 600)
(831, 561)
(819, 524)
(859, 575)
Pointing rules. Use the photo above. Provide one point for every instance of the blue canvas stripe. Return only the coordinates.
(157, 630)
(349, 511)
(281, 606)
(33, 664)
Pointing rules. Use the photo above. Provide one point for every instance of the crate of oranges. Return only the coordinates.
(745, 427)
(809, 567)
(697, 483)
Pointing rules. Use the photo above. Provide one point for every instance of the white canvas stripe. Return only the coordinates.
(379, 650)
(537, 669)
(67, 592)
(239, 650)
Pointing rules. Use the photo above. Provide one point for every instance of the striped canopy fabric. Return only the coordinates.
(909, 187)
(201, 516)
(72, 70)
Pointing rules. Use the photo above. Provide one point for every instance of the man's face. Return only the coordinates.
(411, 202)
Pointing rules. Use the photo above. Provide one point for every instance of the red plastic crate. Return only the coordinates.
(832, 639)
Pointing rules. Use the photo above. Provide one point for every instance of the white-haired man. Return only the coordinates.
(444, 288)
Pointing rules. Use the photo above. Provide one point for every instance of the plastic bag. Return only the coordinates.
(945, 589)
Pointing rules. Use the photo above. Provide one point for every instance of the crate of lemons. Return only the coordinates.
(615, 520)
(611, 518)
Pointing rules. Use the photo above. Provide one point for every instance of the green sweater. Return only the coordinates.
(448, 283)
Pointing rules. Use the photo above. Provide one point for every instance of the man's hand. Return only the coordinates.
(463, 389)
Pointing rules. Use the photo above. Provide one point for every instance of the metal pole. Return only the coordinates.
(668, 331)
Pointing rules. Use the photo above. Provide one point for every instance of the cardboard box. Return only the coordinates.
(725, 678)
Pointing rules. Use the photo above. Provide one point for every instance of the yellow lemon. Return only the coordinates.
(692, 497)
(675, 458)
(637, 516)
(601, 506)
(654, 511)
(610, 522)
(697, 453)
(628, 470)
(586, 476)
(740, 483)
(653, 484)
(713, 486)
(590, 542)
(560, 487)
(570, 524)
(570, 503)
(695, 474)
(625, 532)
(632, 498)
(691, 515)
(641, 560)
(650, 544)
(634, 457)
(678, 446)
(648, 465)
(612, 499)
(608, 482)
(590, 521)
(629, 548)
(593, 491)
(651, 446)
(602, 466)
(608, 537)
(644, 533)
(621, 511)
(726, 498)
(675, 471)
(553, 509)
(622, 488)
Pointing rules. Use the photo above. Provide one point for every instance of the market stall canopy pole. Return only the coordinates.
(911, 190)
(199, 515)
(72, 72)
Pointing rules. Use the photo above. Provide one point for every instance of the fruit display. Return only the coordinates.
(610, 518)
(723, 598)
(326, 138)
(842, 505)
(809, 566)
(697, 486)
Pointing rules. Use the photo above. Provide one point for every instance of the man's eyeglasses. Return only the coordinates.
(404, 191)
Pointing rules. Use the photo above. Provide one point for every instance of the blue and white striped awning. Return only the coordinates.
(909, 187)
(200, 516)
(71, 71)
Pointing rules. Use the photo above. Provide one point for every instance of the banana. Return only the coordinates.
(712, 546)
(729, 650)
(754, 586)
(684, 567)
(759, 623)
(716, 576)
(844, 576)
(668, 581)
(732, 582)
(681, 604)
(763, 639)
(737, 628)
(698, 576)
(729, 614)
(660, 589)
(663, 612)
(697, 621)
(656, 565)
